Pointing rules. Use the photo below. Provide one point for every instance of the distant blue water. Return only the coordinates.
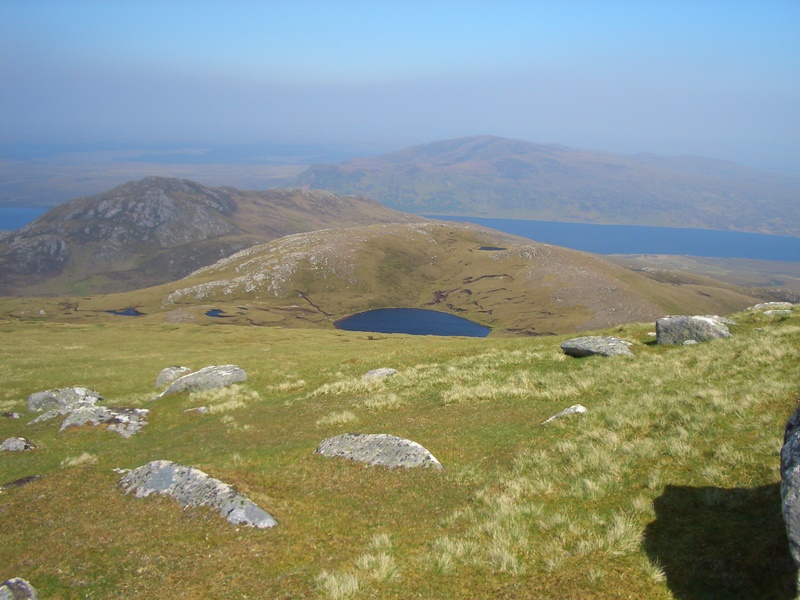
(416, 321)
(14, 218)
(631, 239)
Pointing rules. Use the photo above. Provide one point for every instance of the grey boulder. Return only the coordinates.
(16, 444)
(17, 589)
(208, 378)
(378, 449)
(771, 306)
(596, 345)
(124, 421)
(192, 487)
(170, 374)
(379, 373)
(62, 399)
(681, 329)
(790, 484)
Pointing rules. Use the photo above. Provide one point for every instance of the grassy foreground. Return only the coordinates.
(668, 487)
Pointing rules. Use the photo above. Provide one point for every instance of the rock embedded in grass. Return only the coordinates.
(209, 378)
(192, 487)
(62, 399)
(790, 483)
(17, 589)
(378, 449)
(16, 444)
(771, 306)
(575, 409)
(170, 374)
(596, 345)
(679, 329)
(379, 373)
(124, 421)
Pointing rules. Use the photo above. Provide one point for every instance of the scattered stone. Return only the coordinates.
(208, 378)
(124, 421)
(192, 487)
(596, 345)
(378, 373)
(17, 589)
(17, 444)
(19, 482)
(575, 409)
(199, 410)
(766, 306)
(690, 342)
(170, 374)
(378, 449)
(679, 329)
(11, 415)
(62, 399)
(790, 483)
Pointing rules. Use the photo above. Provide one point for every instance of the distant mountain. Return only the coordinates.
(512, 284)
(156, 230)
(497, 177)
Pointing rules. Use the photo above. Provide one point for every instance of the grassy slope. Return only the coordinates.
(666, 488)
(317, 278)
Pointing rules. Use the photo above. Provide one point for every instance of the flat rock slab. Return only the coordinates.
(192, 487)
(17, 589)
(124, 421)
(17, 444)
(378, 373)
(208, 378)
(378, 449)
(170, 374)
(766, 306)
(681, 329)
(596, 345)
(62, 399)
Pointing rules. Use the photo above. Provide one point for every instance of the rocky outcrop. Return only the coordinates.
(208, 378)
(378, 449)
(170, 374)
(17, 589)
(64, 399)
(790, 483)
(770, 306)
(682, 329)
(16, 444)
(191, 487)
(124, 421)
(596, 345)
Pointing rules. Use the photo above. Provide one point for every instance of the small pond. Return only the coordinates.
(126, 312)
(218, 313)
(415, 321)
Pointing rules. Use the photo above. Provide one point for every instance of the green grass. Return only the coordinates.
(668, 487)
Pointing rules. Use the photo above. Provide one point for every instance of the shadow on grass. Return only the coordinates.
(722, 543)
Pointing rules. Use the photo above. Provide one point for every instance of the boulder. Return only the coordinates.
(596, 345)
(170, 374)
(697, 328)
(208, 378)
(16, 444)
(378, 449)
(62, 399)
(192, 487)
(575, 409)
(17, 589)
(378, 373)
(124, 421)
(790, 484)
(768, 306)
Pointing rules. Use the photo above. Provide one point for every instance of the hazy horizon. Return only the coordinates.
(714, 79)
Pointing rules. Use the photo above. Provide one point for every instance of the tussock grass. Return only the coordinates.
(589, 506)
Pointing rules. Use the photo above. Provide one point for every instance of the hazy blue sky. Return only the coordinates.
(713, 78)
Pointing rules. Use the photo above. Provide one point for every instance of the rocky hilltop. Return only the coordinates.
(157, 229)
(497, 177)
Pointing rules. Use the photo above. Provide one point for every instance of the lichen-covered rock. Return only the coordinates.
(170, 374)
(192, 487)
(124, 421)
(596, 345)
(575, 409)
(16, 444)
(379, 373)
(790, 483)
(62, 399)
(208, 378)
(378, 449)
(683, 328)
(768, 306)
(17, 589)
